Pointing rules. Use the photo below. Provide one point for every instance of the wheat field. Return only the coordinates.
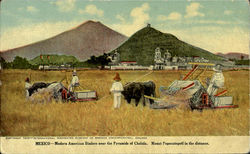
(98, 118)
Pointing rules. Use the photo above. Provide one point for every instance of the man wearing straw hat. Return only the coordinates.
(217, 80)
(74, 82)
(116, 89)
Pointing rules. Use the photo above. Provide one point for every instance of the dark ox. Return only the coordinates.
(137, 90)
(38, 85)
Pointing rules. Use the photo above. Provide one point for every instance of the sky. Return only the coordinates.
(214, 25)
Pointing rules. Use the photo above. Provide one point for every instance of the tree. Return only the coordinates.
(93, 59)
(3, 63)
(103, 60)
(21, 63)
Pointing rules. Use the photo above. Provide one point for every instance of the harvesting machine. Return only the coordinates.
(196, 94)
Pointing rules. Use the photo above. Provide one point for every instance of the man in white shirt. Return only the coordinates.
(116, 89)
(217, 81)
(27, 86)
(74, 82)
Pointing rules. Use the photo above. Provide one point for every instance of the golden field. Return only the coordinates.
(98, 118)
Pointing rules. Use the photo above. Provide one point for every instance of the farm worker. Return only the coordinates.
(217, 80)
(74, 82)
(27, 86)
(116, 89)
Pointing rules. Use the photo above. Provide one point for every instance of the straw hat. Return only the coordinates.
(27, 79)
(74, 73)
(117, 77)
(217, 68)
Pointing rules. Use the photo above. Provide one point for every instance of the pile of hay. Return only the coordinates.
(41, 96)
(178, 100)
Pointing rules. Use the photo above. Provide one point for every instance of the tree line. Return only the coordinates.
(23, 63)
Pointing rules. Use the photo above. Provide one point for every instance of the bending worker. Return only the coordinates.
(217, 81)
(116, 89)
(74, 82)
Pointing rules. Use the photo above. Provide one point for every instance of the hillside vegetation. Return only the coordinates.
(54, 59)
(141, 46)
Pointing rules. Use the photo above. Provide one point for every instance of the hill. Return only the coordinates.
(141, 46)
(234, 55)
(88, 39)
(53, 59)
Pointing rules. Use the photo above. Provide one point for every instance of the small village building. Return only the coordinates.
(128, 63)
(175, 59)
(170, 67)
(167, 58)
(115, 58)
(196, 59)
(167, 55)
(43, 67)
(159, 61)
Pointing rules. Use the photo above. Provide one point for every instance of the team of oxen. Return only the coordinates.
(132, 90)
(137, 90)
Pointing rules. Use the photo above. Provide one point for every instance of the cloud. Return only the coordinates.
(174, 16)
(192, 10)
(214, 38)
(228, 12)
(26, 34)
(120, 17)
(31, 9)
(162, 17)
(220, 22)
(92, 10)
(139, 18)
(171, 16)
(20, 9)
(65, 5)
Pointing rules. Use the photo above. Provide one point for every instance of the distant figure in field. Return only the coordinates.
(116, 89)
(74, 82)
(27, 86)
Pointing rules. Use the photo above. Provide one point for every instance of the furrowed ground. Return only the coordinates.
(19, 117)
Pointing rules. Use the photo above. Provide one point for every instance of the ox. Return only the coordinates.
(137, 90)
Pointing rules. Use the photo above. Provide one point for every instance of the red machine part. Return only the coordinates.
(221, 93)
(187, 87)
(229, 106)
(205, 99)
(189, 73)
(64, 94)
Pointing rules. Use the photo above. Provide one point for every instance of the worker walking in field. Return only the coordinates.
(74, 82)
(27, 86)
(116, 89)
(217, 81)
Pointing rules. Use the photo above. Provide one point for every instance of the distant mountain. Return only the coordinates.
(141, 47)
(88, 39)
(234, 55)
